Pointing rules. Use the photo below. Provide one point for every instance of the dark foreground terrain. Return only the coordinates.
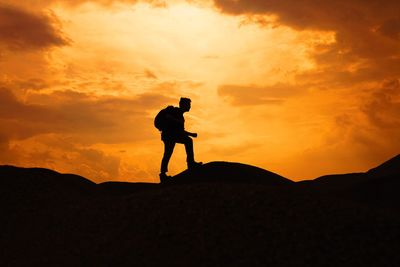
(222, 214)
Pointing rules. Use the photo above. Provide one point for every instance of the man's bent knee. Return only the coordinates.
(184, 140)
(188, 140)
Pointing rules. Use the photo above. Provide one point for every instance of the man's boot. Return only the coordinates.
(164, 177)
(194, 164)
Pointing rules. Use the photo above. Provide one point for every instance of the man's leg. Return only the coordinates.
(168, 149)
(188, 142)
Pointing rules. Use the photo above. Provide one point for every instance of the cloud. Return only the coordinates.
(88, 118)
(353, 138)
(366, 33)
(60, 153)
(18, 119)
(39, 4)
(314, 14)
(244, 95)
(391, 28)
(370, 132)
(149, 74)
(25, 84)
(382, 108)
(24, 30)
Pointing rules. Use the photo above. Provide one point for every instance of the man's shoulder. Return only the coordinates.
(174, 110)
(171, 108)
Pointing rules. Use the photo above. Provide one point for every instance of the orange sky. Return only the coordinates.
(301, 88)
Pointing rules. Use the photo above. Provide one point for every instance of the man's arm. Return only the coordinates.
(191, 134)
(176, 121)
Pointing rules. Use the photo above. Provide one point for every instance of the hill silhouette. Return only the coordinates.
(40, 178)
(219, 214)
(388, 168)
(220, 171)
(377, 186)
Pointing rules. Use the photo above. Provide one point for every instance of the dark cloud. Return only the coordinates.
(23, 30)
(149, 74)
(24, 84)
(383, 106)
(18, 119)
(365, 31)
(88, 119)
(242, 95)
(38, 4)
(391, 28)
(314, 14)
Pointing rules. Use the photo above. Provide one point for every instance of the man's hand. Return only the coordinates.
(192, 134)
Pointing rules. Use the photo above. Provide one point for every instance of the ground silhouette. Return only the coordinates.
(223, 214)
(378, 186)
(220, 171)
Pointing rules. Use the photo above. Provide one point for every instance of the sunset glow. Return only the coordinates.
(81, 82)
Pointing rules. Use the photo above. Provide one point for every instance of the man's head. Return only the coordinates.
(184, 104)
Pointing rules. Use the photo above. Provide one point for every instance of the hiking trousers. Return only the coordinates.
(169, 145)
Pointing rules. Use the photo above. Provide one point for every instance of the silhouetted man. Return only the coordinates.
(174, 132)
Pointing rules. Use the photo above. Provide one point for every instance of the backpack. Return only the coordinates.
(160, 121)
